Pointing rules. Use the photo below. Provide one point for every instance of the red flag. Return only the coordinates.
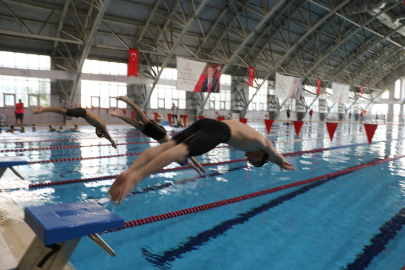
(169, 118)
(144, 112)
(221, 118)
(75, 105)
(107, 110)
(133, 62)
(298, 126)
(86, 107)
(370, 130)
(92, 107)
(361, 88)
(133, 114)
(318, 92)
(156, 115)
(268, 123)
(65, 103)
(125, 112)
(331, 129)
(70, 104)
(99, 110)
(251, 75)
(243, 120)
(201, 117)
(80, 105)
(185, 119)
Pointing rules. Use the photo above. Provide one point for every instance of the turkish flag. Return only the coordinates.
(125, 112)
(318, 92)
(133, 62)
(361, 88)
(252, 74)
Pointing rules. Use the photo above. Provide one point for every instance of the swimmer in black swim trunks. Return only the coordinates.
(199, 138)
(91, 118)
(151, 129)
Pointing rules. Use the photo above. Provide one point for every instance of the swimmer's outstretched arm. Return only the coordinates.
(197, 165)
(136, 108)
(275, 157)
(108, 137)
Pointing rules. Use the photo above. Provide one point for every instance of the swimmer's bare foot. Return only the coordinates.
(123, 184)
(123, 98)
(117, 113)
(38, 110)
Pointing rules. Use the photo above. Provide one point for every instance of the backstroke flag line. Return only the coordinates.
(340, 93)
(197, 76)
(288, 87)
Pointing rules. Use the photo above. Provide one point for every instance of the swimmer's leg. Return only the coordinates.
(136, 108)
(129, 120)
(127, 181)
(50, 109)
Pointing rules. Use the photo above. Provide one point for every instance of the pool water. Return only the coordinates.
(349, 222)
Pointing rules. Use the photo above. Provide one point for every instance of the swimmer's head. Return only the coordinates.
(257, 158)
(100, 133)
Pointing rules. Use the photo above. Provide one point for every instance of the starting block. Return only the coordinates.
(8, 162)
(58, 230)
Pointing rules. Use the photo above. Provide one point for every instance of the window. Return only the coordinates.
(259, 102)
(218, 101)
(24, 61)
(225, 79)
(105, 68)
(102, 94)
(31, 91)
(397, 89)
(385, 95)
(314, 105)
(163, 97)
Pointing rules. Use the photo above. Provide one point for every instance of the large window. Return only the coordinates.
(385, 95)
(397, 89)
(164, 96)
(225, 79)
(218, 101)
(32, 91)
(102, 94)
(105, 68)
(314, 106)
(259, 102)
(24, 61)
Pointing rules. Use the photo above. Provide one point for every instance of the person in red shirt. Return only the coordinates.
(19, 112)
(310, 115)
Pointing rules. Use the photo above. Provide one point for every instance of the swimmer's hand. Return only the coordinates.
(190, 164)
(113, 144)
(284, 165)
(197, 164)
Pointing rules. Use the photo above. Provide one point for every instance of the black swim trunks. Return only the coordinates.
(19, 116)
(203, 135)
(78, 112)
(154, 131)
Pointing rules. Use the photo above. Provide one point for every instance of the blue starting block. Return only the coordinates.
(58, 230)
(8, 162)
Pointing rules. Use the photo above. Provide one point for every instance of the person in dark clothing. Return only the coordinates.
(19, 112)
(210, 84)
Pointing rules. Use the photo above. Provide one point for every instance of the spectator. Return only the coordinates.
(11, 129)
(288, 115)
(350, 115)
(34, 128)
(60, 129)
(22, 130)
(51, 128)
(19, 112)
(75, 129)
(310, 114)
(175, 112)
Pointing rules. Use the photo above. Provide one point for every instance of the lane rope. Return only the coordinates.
(152, 219)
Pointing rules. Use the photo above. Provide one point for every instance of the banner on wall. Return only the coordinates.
(340, 93)
(288, 87)
(197, 76)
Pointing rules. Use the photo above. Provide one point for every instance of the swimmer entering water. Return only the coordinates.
(152, 130)
(199, 138)
(91, 118)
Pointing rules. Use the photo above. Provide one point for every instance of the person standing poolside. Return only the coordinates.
(91, 118)
(175, 112)
(310, 115)
(201, 137)
(288, 115)
(19, 112)
(350, 115)
(151, 129)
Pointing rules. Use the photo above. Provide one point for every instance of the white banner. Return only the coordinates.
(197, 76)
(340, 93)
(288, 87)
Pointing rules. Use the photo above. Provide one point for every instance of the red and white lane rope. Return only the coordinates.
(142, 221)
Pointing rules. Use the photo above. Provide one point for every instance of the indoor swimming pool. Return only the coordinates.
(351, 220)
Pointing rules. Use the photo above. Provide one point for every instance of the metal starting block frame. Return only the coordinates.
(8, 162)
(58, 230)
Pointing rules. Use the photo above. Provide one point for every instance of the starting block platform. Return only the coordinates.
(58, 230)
(9, 162)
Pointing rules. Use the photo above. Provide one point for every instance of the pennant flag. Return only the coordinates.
(133, 62)
(370, 130)
(331, 129)
(125, 112)
(243, 120)
(221, 118)
(361, 91)
(318, 91)
(298, 126)
(65, 103)
(201, 117)
(133, 114)
(92, 107)
(107, 110)
(266, 115)
(75, 105)
(185, 116)
(86, 107)
(268, 123)
(70, 104)
(99, 110)
(251, 75)
(169, 118)
(144, 112)
(156, 115)
(80, 105)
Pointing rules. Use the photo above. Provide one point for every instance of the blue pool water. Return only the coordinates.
(349, 222)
